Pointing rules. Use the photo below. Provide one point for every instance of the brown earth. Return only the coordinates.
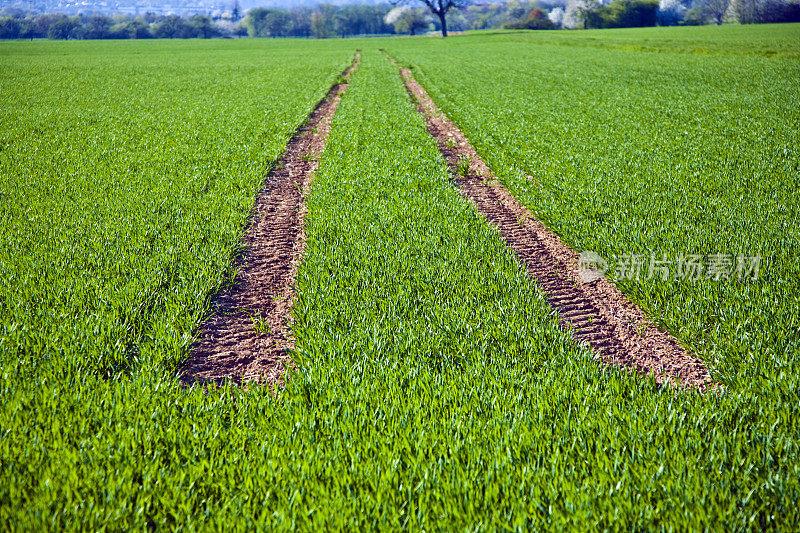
(248, 335)
(597, 312)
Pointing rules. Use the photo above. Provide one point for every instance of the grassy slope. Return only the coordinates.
(765, 40)
(451, 406)
(652, 153)
(432, 390)
(675, 142)
(377, 414)
(126, 172)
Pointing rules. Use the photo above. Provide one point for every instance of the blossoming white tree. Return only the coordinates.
(440, 8)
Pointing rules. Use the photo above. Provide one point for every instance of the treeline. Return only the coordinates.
(641, 13)
(693, 12)
(322, 21)
(55, 26)
(327, 20)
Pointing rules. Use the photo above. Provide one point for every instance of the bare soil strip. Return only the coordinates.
(248, 336)
(596, 313)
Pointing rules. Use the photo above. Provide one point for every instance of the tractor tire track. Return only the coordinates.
(248, 335)
(597, 313)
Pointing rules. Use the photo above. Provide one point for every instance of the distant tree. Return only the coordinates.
(481, 17)
(578, 13)
(408, 20)
(696, 16)
(715, 10)
(172, 27)
(746, 12)
(322, 21)
(236, 11)
(97, 27)
(203, 27)
(516, 10)
(9, 28)
(764, 11)
(127, 28)
(65, 28)
(671, 12)
(412, 22)
(537, 20)
(622, 14)
(456, 21)
(440, 8)
(556, 16)
(344, 22)
(370, 19)
(263, 22)
(360, 19)
(36, 26)
(630, 14)
(300, 21)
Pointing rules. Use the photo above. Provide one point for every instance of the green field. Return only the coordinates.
(432, 388)
(653, 154)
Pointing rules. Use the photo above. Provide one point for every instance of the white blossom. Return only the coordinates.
(556, 16)
(395, 14)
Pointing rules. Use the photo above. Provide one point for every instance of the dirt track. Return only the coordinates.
(597, 313)
(247, 337)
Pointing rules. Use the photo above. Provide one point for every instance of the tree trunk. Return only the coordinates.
(444, 23)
